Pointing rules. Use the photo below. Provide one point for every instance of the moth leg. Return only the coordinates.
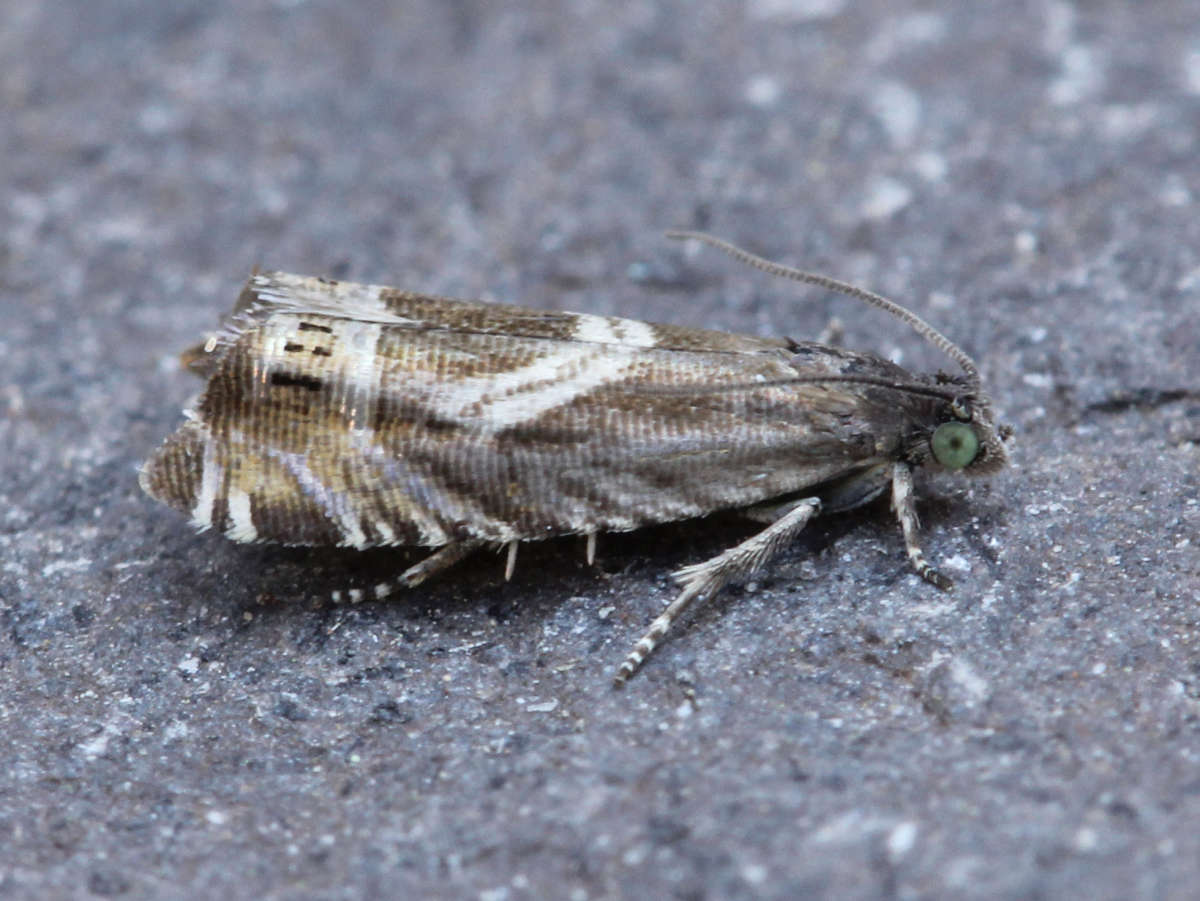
(771, 513)
(906, 511)
(510, 565)
(442, 558)
(703, 580)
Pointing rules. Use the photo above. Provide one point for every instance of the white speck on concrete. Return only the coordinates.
(796, 10)
(94, 747)
(1080, 77)
(898, 109)
(884, 197)
(1059, 27)
(1191, 71)
(762, 91)
(901, 840)
(1189, 281)
(60, 566)
(921, 28)
(958, 563)
(755, 874)
(930, 165)
(964, 675)
(1127, 121)
(849, 827)
(1174, 192)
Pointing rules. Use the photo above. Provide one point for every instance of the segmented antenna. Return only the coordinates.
(733, 387)
(919, 325)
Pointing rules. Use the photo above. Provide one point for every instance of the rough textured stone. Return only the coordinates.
(184, 717)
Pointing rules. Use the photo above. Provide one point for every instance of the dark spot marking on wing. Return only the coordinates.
(291, 380)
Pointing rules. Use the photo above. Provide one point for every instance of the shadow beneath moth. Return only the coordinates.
(350, 415)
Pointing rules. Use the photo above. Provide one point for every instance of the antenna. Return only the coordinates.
(732, 387)
(919, 325)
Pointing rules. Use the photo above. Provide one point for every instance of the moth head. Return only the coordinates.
(969, 440)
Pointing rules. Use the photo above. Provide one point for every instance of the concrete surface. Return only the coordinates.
(183, 717)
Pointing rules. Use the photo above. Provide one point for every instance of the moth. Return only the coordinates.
(363, 416)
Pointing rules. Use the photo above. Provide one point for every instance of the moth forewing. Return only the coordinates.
(335, 413)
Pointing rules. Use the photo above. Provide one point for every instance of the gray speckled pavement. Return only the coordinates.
(184, 717)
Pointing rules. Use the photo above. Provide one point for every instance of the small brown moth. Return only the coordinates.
(362, 416)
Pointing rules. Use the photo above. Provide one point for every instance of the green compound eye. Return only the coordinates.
(954, 444)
